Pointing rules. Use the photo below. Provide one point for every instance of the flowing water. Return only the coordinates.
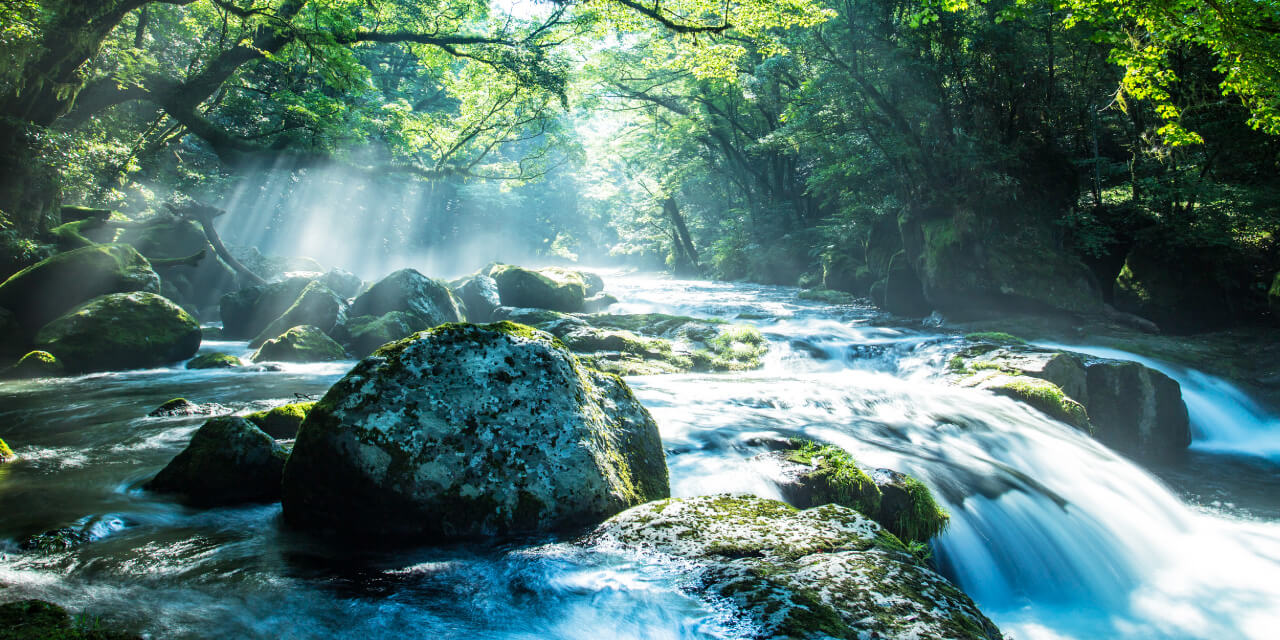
(1052, 534)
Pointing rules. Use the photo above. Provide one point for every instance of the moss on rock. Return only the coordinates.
(281, 422)
(1043, 395)
(554, 289)
(229, 461)
(834, 477)
(827, 296)
(214, 360)
(300, 344)
(996, 337)
(6, 454)
(37, 619)
(51, 287)
(823, 572)
(466, 430)
(364, 334)
(121, 331)
(36, 364)
(317, 306)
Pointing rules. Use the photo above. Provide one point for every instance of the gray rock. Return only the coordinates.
(823, 572)
(479, 294)
(343, 283)
(411, 292)
(1136, 409)
(468, 430)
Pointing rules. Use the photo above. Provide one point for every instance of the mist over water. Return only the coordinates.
(1052, 534)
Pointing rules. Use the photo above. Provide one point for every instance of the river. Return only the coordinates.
(1052, 534)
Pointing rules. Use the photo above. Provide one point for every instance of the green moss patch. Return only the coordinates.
(997, 337)
(214, 361)
(1044, 396)
(281, 422)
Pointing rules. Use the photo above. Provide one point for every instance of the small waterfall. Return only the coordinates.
(1224, 419)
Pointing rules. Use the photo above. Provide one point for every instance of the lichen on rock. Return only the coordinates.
(823, 572)
(466, 430)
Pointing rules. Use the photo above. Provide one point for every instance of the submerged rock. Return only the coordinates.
(317, 306)
(55, 540)
(365, 334)
(229, 461)
(410, 292)
(554, 289)
(179, 407)
(300, 344)
(121, 331)
(479, 294)
(214, 360)
(281, 422)
(47, 289)
(37, 364)
(468, 430)
(825, 572)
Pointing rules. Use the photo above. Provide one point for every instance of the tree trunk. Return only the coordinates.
(686, 256)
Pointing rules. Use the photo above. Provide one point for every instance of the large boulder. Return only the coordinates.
(1136, 409)
(825, 572)
(302, 343)
(317, 306)
(479, 294)
(121, 331)
(1126, 405)
(245, 313)
(467, 430)
(555, 289)
(1186, 288)
(229, 461)
(411, 292)
(364, 334)
(281, 422)
(51, 287)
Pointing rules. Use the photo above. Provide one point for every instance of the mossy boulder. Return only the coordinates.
(200, 284)
(467, 430)
(214, 360)
(1126, 405)
(1136, 409)
(1185, 288)
(408, 291)
(245, 313)
(364, 334)
(300, 344)
(42, 292)
(317, 306)
(229, 461)
(121, 331)
(281, 422)
(554, 289)
(36, 364)
(825, 572)
(6, 454)
(479, 294)
(811, 475)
